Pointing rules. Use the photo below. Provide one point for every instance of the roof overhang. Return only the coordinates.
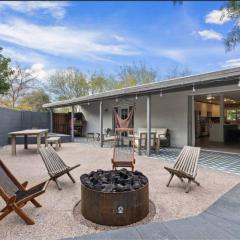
(212, 79)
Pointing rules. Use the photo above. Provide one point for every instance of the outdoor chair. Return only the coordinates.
(141, 140)
(109, 137)
(123, 152)
(56, 167)
(16, 195)
(162, 138)
(186, 166)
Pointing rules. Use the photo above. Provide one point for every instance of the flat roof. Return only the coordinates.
(222, 77)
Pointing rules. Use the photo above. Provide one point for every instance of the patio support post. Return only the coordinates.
(72, 124)
(101, 123)
(149, 125)
(51, 120)
(191, 121)
(222, 117)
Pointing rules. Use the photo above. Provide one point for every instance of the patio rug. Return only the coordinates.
(226, 162)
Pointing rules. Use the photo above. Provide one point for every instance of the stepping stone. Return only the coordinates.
(120, 234)
(155, 231)
(228, 226)
(196, 228)
(227, 207)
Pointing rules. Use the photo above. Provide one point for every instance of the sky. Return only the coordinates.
(103, 36)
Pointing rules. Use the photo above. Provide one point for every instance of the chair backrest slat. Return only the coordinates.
(52, 161)
(187, 160)
(122, 152)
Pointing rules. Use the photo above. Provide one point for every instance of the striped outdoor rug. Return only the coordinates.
(226, 162)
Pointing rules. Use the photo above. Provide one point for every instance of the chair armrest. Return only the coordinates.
(45, 184)
(24, 184)
(4, 195)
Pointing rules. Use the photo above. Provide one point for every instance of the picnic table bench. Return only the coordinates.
(56, 140)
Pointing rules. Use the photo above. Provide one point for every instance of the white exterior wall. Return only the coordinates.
(91, 113)
(170, 111)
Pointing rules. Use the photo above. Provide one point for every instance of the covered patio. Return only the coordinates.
(168, 104)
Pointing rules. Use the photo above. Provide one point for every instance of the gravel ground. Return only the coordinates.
(60, 216)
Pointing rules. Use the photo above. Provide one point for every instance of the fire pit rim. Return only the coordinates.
(135, 190)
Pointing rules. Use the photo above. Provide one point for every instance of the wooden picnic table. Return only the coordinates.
(28, 132)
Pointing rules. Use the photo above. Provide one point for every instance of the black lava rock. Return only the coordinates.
(114, 181)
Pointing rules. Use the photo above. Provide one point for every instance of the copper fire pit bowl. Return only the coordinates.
(115, 208)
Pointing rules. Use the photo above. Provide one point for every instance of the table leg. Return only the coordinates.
(38, 142)
(46, 136)
(14, 145)
(158, 146)
(25, 142)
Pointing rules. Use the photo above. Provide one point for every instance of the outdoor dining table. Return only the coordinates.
(28, 132)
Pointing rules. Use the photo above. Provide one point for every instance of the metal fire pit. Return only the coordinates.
(115, 208)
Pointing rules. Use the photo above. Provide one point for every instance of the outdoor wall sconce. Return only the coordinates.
(161, 94)
(193, 88)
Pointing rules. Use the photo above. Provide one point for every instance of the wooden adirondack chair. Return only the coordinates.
(186, 166)
(56, 167)
(16, 195)
(123, 152)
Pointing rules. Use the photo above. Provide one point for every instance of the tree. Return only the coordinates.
(5, 73)
(98, 83)
(20, 82)
(70, 83)
(175, 72)
(34, 101)
(135, 74)
(232, 12)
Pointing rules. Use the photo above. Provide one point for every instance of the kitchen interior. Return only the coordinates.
(217, 121)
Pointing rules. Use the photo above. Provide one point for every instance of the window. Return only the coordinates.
(233, 114)
(124, 113)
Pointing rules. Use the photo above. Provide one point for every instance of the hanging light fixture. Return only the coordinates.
(88, 103)
(136, 97)
(239, 82)
(193, 88)
(116, 100)
(210, 97)
(161, 94)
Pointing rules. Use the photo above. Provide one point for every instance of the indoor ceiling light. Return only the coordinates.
(210, 97)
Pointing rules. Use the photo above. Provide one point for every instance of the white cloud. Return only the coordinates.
(65, 41)
(232, 63)
(173, 54)
(40, 71)
(210, 34)
(56, 9)
(217, 17)
(23, 56)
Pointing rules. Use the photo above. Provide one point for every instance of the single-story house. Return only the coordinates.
(201, 109)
